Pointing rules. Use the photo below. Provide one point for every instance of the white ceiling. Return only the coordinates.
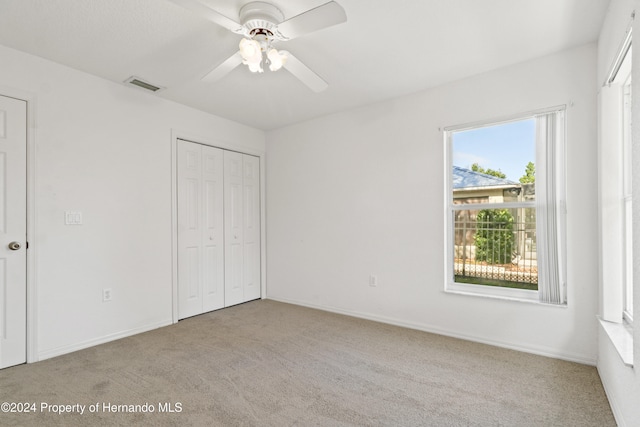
(385, 49)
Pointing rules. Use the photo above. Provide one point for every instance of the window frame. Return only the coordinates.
(615, 171)
(627, 199)
(524, 295)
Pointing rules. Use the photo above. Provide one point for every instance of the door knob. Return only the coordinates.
(14, 246)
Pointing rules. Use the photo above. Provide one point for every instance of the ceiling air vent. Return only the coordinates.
(138, 82)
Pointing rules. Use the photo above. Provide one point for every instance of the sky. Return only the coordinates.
(507, 147)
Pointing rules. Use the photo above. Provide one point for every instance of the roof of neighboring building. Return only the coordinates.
(466, 179)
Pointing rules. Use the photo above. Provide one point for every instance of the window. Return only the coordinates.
(615, 192)
(504, 208)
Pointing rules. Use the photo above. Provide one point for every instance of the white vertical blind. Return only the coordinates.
(550, 206)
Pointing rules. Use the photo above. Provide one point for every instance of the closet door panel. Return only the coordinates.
(213, 235)
(251, 223)
(233, 217)
(189, 229)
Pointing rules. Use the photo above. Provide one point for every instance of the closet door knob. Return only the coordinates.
(14, 246)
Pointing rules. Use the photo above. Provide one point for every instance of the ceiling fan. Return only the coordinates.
(262, 24)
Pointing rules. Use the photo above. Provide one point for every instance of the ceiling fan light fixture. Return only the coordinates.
(276, 59)
(251, 53)
(250, 50)
(255, 68)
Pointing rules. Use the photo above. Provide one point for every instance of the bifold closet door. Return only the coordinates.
(242, 227)
(200, 229)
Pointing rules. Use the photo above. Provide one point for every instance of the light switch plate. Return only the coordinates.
(73, 218)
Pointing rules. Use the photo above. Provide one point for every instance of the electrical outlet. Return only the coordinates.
(106, 294)
(73, 218)
(373, 280)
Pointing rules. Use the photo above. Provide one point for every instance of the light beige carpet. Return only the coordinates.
(266, 363)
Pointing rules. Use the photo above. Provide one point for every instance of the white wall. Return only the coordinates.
(361, 192)
(103, 149)
(622, 383)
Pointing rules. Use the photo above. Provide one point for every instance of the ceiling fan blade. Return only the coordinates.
(223, 69)
(304, 73)
(209, 14)
(324, 16)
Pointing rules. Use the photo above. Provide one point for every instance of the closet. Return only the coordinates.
(218, 196)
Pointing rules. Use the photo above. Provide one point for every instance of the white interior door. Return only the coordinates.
(233, 229)
(200, 229)
(13, 232)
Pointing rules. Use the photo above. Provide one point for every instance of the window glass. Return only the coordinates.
(495, 163)
(495, 240)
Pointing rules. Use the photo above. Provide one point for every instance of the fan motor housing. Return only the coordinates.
(258, 15)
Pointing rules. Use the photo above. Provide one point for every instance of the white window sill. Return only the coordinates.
(492, 291)
(496, 292)
(622, 339)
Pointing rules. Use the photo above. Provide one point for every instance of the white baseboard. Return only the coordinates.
(540, 351)
(59, 351)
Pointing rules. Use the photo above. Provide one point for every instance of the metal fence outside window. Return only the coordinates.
(496, 247)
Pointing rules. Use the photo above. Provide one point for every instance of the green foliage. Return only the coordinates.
(494, 236)
(477, 168)
(529, 174)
